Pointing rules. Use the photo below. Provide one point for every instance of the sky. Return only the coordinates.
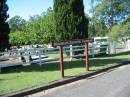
(27, 8)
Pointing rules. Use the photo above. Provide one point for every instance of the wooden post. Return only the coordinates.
(86, 49)
(71, 52)
(61, 62)
(93, 50)
(40, 61)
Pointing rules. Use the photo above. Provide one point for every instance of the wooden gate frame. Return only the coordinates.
(72, 42)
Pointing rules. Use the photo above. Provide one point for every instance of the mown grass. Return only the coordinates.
(18, 78)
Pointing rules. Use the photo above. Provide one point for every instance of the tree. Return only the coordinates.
(38, 30)
(97, 27)
(16, 23)
(70, 20)
(120, 31)
(4, 27)
(42, 27)
(18, 38)
(112, 11)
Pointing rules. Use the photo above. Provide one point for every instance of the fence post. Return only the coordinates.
(114, 47)
(109, 48)
(40, 63)
(93, 50)
(86, 49)
(71, 52)
(61, 62)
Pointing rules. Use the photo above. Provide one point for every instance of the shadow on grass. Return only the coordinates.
(67, 64)
(55, 66)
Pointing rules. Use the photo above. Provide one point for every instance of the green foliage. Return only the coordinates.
(127, 20)
(114, 34)
(120, 31)
(97, 28)
(112, 11)
(42, 28)
(20, 38)
(70, 20)
(16, 23)
(4, 27)
(105, 15)
(38, 30)
(126, 29)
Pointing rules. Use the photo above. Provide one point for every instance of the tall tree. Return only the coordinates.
(70, 19)
(4, 27)
(112, 11)
(97, 26)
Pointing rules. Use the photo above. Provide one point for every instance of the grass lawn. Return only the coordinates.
(55, 55)
(19, 78)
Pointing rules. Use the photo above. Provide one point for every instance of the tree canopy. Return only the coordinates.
(112, 11)
(70, 20)
(108, 18)
(39, 29)
(16, 23)
(4, 27)
(120, 31)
